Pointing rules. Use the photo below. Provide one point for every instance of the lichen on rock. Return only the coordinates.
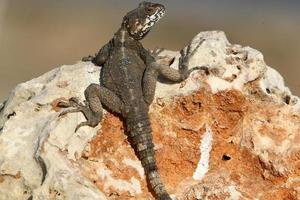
(230, 131)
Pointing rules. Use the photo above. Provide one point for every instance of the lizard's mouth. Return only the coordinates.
(152, 19)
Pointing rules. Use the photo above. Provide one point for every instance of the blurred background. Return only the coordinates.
(39, 35)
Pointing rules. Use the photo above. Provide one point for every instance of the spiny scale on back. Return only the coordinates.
(128, 78)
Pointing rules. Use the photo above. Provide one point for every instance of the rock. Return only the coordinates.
(231, 131)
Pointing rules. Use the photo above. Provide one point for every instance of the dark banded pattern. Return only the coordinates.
(140, 136)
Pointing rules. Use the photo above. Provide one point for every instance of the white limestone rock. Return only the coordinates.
(230, 67)
(32, 131)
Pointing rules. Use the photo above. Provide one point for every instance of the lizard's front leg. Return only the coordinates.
(154, 69)
(95, 95)
(100, 58)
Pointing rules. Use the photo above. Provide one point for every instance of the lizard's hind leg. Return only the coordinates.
(95, 95)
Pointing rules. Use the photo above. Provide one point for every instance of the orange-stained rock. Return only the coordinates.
(235, 168)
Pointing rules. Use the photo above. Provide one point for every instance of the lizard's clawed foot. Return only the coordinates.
(93, 118)
(163, 60)
(185, 58)
(155, 53)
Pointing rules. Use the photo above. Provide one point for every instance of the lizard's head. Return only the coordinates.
(139, 21)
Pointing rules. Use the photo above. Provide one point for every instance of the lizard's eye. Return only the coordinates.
(149, 9)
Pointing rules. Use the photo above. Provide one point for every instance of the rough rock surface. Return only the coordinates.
(229, 132)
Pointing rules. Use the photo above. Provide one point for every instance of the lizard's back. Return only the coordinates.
(123, 74)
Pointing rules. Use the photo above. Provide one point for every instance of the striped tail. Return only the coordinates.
(141, 139)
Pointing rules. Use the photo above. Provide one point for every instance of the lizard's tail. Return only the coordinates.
(141, 138)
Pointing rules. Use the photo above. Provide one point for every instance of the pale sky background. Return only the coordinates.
(3, 4)
(39, 35)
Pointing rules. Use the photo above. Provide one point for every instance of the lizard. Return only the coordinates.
(128, 80)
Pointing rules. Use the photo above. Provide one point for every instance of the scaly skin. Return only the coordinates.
(128, 78)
